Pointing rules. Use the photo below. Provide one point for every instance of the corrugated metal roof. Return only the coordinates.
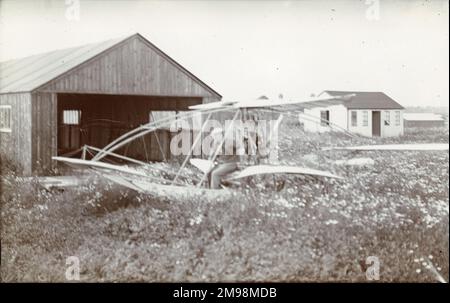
(367, 100)
(422, 117)
(29, 73)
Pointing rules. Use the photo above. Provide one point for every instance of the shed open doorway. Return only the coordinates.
(376, 123)
(97, 119)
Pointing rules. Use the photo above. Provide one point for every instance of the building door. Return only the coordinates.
(376, 124)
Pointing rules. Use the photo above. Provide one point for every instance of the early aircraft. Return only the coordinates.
(138, 175)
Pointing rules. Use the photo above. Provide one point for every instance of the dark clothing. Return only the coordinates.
(219, 171)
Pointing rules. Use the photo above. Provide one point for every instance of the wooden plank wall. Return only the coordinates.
(130, 68)
(44, 131)
(16, 145)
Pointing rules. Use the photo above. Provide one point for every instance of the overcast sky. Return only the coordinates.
(246, 49)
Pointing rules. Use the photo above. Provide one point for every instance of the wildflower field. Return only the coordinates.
(271, 229)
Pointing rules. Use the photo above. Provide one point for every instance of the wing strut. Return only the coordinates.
(140, 131)
(157, 140)
(197, 139)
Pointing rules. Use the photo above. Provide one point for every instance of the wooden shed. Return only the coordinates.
(54, 103)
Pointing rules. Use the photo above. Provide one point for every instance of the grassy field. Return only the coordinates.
(305, 230)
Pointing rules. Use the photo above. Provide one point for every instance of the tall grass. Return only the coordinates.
(306, 230)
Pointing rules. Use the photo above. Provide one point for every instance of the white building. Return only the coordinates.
(423, 120)
(365, 113)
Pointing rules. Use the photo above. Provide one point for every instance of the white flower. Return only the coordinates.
(418, 270)
(332, 222)
(283, 202)
(196, 220)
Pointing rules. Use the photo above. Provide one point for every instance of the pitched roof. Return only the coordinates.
(366, 100)
(29, 73)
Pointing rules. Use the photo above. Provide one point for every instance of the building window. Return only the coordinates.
(70, 132)
(354, 118)
(5, 118)
(387, 118)
(325, 117)
(365, 118)
(397, 118)
(71, 117)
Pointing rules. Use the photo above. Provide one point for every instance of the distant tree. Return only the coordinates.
(280, 96)
(263, 97)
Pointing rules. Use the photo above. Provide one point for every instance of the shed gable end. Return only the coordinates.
(131, 67)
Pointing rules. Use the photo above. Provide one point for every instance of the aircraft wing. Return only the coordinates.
(164, 190)
(280, 169)
(312, 102)
(202, 164)
(123, 181)
(80, 163)
(214, 105)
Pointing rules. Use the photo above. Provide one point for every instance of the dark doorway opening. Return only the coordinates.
(376, 123)
(97, 119)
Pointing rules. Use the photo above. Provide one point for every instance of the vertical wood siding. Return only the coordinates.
(16, 145)
(130, 68)
(44, 131)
